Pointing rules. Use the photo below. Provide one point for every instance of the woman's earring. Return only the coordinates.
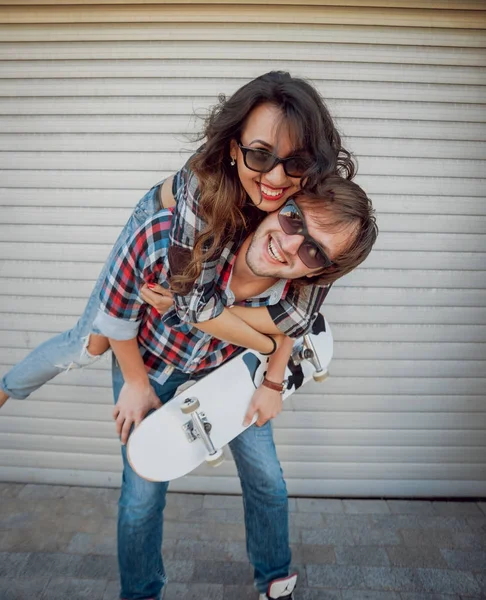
(233, 162)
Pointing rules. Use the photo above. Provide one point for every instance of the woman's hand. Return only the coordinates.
(157, 296)
(267, 403)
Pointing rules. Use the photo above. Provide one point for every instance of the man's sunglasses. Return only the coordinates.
(262, 161)
(310, 252)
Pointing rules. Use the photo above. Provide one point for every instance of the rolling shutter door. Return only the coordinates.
(97, 104)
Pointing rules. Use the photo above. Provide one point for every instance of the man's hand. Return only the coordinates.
(134, 402)
(157, 296)
(267, 403)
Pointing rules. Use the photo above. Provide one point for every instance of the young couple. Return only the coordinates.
(238, 249)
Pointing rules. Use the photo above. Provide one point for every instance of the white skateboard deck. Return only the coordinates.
(162, 447)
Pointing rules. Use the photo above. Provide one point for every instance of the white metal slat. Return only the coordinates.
(190, 49)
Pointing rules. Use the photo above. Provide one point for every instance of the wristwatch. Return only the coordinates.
(277, 387)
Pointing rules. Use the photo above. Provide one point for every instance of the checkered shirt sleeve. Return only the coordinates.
(121, 308)
(295, 313)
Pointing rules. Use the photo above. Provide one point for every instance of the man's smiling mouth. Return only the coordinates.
(274, 253)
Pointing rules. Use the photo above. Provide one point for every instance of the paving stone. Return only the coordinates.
(413, 596)
(334, 576)
(366, 595)
(202, 550)
(34, 540)
(212, 501)
(94, 494)
(189, 501)
(181, 571)
(213, 515)
(392, 579)
(310, 554)
(308, 520)
(456, 509)
(363, 556)
(239, 592)
(431, 537)
(481, 579)
(317, 594)
(465, 560)
(23, 588)
(10, 490)
(12, 564)
(184, 591)
(53, 563)
(347, 521)
(450, 523)
(97, 566)
(320, 505)
(396, 522)
(464, 540)
(112, 591)
(18, 520)
(87, 543)
(107, 527)
(442, 581)
(88, 505)
(328, 535)
(229, 573)
(35, 491)
(477, 525)
(368, 535)
(60, 588)
(204, 531)
(419, 556)
(366, 507)
(410, 507)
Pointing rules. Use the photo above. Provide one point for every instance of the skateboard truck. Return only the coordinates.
(198, 427)
(306, 351)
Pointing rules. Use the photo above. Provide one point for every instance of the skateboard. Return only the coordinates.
(195, 425)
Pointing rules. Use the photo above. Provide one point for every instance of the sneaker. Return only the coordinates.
(281, 589)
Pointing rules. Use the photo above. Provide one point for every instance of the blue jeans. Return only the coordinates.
(69, 349)
(141, 505)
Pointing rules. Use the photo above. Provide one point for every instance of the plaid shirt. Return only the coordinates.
(293, 315)
(123, 315)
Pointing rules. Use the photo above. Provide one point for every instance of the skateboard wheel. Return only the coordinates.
(189, 405)
(215, 459)
(320, 375)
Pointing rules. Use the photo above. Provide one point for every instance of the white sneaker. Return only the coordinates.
(281, 589)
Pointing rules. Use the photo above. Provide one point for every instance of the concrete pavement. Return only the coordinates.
(59, 542)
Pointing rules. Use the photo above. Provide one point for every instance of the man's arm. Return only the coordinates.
(266, 402)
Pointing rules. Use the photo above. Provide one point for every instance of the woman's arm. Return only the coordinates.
(229, 327)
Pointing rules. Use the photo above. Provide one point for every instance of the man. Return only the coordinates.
(305, 239)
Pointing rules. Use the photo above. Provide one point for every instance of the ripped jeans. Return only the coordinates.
(70, 349)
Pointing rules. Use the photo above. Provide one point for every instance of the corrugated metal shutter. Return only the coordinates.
(95, 105)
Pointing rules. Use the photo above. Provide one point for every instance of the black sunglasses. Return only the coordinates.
(310, 252)
(263, 161)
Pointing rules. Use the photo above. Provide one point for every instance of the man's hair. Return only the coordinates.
(336, 204)
(223, 199)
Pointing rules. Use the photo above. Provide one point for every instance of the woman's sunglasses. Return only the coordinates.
(262, 161)
(310, 252)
